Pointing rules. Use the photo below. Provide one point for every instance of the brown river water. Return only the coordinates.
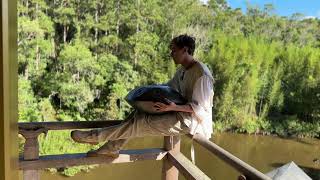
(265, 153)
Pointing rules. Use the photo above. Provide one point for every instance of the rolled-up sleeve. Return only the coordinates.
(202, 97)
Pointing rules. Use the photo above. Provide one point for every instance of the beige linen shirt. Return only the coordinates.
(196, 85)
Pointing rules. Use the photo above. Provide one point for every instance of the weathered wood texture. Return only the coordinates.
(31, 145)
(31, 152)
(67, 125)
(66, 160)
(31, 175)
(185, 166)
(169, 171)
(247, 170)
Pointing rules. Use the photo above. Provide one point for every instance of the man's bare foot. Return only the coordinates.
(97, 153)
(88, 137)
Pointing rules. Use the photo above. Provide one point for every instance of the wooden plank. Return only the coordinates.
(31, 175)
(66, 160)
(169, 171)
(68, 125)
(185, 166)
(247, 170)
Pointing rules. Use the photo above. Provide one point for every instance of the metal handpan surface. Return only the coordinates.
(142, 98)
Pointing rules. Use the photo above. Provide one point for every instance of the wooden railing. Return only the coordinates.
(174, 161)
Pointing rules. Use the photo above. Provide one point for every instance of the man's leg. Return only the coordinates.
(170, 124)
(98, 135)
(141, 124)
(110, 148)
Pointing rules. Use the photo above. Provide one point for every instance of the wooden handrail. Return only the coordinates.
(67, 125)
(249, 171)
(66, 160)
(36, 162)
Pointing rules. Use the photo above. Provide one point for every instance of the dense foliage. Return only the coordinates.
(78, 59)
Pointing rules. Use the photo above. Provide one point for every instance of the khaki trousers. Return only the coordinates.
(140, 124)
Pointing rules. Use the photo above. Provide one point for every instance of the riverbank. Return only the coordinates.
(282, 126)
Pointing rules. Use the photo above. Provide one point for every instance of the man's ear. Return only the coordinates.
(186, 49)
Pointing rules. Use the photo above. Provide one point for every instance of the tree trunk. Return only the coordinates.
(78, 24)
(27, 6)
(78, 77)
(37, 46)
(137, 30)
(53, 53)
(26, 72)
(118, 24)
(96, 29)
(96, 32)
(172, 33)
(37, 57)
(118, 16)
(64, 33)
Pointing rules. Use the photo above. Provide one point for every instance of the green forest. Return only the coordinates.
(78, 59)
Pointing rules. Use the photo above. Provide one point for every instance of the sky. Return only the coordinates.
(310, 8)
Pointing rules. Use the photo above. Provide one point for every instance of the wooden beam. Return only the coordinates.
(185, 166)
(247, 170)
(67, 125)
(66, 160)
(169, 171)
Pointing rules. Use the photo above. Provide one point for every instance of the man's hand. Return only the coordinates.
(161, 107)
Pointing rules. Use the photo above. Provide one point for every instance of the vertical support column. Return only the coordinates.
(8, 90)
(31, 151)
(172, 144)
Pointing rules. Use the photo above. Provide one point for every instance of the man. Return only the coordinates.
(192, 79)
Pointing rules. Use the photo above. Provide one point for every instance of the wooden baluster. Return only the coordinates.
(31, 151)
(172, 144)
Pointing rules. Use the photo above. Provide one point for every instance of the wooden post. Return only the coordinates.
(172, 144)
(242, 177)
(31, 151)
(8, 90)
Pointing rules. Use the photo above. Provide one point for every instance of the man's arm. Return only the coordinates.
(202, 100)
(202, 97)
(172, 107)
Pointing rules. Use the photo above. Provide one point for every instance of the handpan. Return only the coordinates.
(143, 98)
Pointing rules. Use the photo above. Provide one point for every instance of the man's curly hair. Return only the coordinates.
(185, 41)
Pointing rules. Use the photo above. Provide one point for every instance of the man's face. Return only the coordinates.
(177, 53)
